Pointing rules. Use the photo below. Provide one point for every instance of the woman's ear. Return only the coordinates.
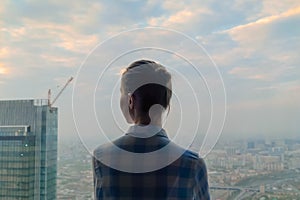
(130, 101)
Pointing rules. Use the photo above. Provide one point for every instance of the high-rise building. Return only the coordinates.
(28, 150)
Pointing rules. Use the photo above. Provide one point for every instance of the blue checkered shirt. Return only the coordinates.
(185, 178)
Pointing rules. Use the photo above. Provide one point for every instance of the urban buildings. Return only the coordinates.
(255, 169)
(28, 150)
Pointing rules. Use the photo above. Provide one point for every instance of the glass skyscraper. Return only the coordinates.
(28, 150)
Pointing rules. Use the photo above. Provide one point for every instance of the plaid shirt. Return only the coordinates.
(185, 178)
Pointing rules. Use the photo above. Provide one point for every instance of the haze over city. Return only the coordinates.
(255, 45)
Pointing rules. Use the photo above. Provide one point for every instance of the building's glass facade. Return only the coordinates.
(28, 150)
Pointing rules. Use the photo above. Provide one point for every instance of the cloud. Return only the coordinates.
(248, 73)
(3, 70)
(258, 33)
(60, 60)
(182, 17)
(289, 87)
(263, 50)
(43, 45)
(4, 52)
(266, 20)
(275, 7)
(52, 34)
(261, 73)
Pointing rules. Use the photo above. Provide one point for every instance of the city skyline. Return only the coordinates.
(237, 169)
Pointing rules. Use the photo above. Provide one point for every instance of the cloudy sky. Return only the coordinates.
(254, 43)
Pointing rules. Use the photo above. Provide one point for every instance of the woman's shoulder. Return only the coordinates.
(194, 158)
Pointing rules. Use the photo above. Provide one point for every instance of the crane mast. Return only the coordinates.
(50, 103)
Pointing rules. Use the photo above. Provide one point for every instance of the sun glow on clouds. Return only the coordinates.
(3, 52)
(64, 36)
(265, 20)
(181, 17)
(3, 70)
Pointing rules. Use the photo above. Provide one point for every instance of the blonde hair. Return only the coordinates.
(150, 81)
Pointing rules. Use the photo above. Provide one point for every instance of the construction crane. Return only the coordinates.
(50, 103)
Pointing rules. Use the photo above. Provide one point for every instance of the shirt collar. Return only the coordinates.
(145, 131)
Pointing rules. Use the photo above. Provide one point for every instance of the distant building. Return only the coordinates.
(28, 150)
(294, 161)
(268, 163)
(250, 145)
(262, 189)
